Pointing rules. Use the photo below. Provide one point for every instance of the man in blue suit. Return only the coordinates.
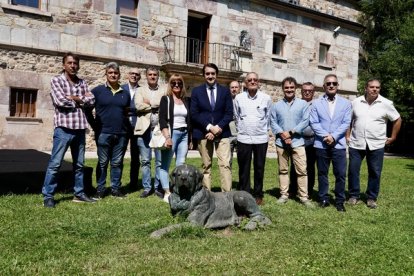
(211, 112)
(134, 75)
(330, 118)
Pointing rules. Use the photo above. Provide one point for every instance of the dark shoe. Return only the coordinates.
(259, 201)
(340, 207)
(146, 193)
(49, 203)
(160, 193)
(372, 204)
(99, 195)
(117, 193)
(324, 203)
(83, 198)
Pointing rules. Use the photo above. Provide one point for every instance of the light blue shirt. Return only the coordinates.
(293, 117)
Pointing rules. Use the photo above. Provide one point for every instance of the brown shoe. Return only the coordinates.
(259, 201)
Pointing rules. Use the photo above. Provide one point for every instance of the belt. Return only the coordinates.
(308, 136)
(181, 129)
(154, 110)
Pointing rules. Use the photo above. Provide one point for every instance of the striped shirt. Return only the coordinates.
(252, 117)
(68, 114)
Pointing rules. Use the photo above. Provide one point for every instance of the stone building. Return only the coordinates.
(306, 39)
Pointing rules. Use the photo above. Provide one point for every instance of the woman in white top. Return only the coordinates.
(175, 127)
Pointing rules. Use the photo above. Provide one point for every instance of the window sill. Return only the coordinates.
(279, 59)
(324, 66)
(26, 10)
(24, 120)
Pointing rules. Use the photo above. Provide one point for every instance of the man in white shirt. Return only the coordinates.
(367, 137)
(252, 113)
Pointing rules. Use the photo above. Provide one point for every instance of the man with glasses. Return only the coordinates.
(289, 117)
(147, 102)
(134, 75)
(308, 91)
(252, 113)
(330, 118)
(367, 137)
(211, 112)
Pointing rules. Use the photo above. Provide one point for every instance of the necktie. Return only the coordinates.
(212, 100)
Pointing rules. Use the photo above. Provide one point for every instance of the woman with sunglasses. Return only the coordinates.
(175, 127)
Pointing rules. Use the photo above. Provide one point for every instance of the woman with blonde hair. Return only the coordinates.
(174, 119)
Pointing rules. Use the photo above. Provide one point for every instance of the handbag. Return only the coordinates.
(157, 138)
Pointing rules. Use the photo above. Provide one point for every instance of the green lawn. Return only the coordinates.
(112, 236)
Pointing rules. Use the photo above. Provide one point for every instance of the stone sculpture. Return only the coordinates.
(208, 209)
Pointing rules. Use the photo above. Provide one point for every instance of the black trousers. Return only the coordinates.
(244, 159)
(135, 163)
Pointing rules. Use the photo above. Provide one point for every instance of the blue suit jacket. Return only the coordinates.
(322, 123)
(202, 114)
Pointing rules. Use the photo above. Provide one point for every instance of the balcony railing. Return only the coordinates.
(186, 50)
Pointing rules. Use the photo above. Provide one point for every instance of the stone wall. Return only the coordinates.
(32, 43)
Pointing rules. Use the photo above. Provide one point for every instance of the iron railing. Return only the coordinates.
(186, 50)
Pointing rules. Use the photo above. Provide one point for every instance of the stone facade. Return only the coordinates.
(32, 42)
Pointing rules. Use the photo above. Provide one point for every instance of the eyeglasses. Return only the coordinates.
(334, 83)
(252, 80)
(307, 90)
(176, 83)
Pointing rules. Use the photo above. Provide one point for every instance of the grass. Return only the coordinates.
(111, 237)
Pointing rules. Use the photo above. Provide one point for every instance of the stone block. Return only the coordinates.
(32, 37)
(180, 13)
(5, 34)
(103, 49)
(84, 45)
(222, 10)
(18, 36)
(49, 39)
(67, 42)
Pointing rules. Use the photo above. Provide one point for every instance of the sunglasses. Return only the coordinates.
(252, 80)
(334, 83)
(176, 83)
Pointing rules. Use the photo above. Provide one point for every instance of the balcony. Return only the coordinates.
(187, 55)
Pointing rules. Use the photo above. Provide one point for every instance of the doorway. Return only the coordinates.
(197, 37)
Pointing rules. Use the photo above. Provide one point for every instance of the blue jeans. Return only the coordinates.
(63, 138)
(111, 148)
(323, 159)
(375, 160)
(180, 148)
(146, 155)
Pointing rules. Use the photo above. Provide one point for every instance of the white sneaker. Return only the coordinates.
(166, 196)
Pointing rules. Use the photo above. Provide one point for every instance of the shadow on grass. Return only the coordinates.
(409, 166)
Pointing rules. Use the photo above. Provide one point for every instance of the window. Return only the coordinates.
(29, 3)
(127, 7)
(323, 53)
(128, 21)
(278, 40)
(23, 102)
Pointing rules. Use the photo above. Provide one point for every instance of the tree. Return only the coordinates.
(388, 50)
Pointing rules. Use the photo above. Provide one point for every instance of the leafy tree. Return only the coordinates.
(388, 50)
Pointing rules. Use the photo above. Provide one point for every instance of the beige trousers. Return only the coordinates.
(298, 156)
(206, 149)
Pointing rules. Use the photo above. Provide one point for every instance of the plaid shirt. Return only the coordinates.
(67, 113)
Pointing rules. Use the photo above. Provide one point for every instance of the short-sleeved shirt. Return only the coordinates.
(370, 122)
